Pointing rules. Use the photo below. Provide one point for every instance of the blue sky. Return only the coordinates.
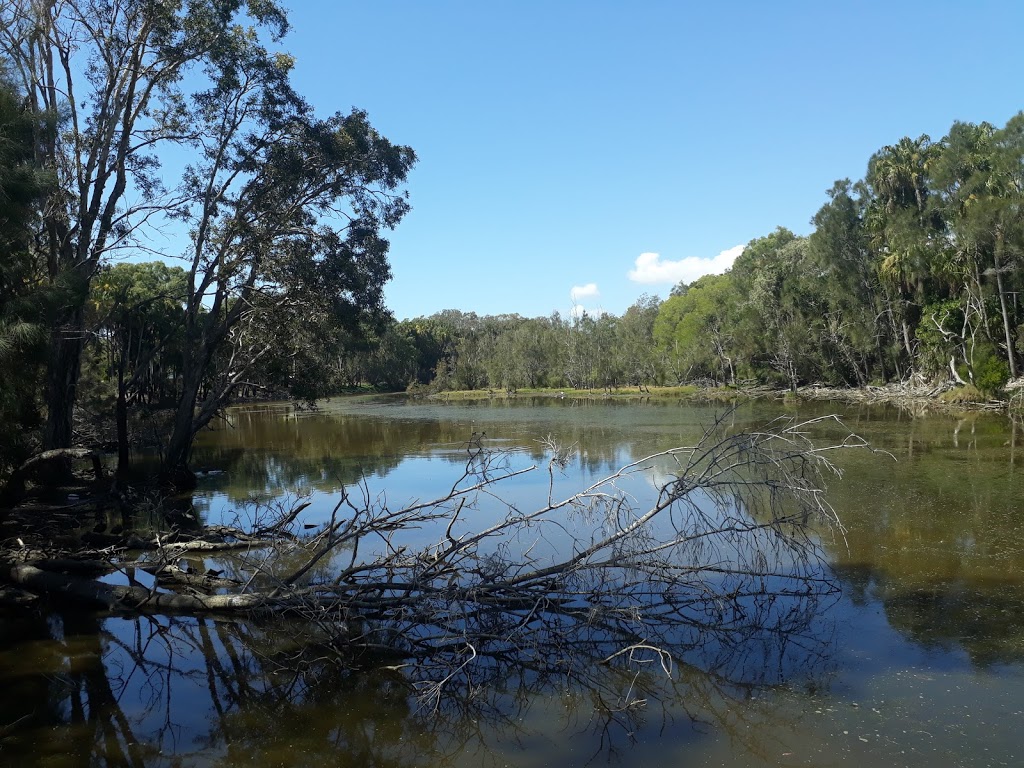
(560, 142)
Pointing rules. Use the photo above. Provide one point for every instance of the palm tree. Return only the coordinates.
(902, 222)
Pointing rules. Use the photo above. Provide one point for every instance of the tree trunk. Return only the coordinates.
(175, 471)
(121, 417)
(62, 374)
(115, 597)
(1002, 304)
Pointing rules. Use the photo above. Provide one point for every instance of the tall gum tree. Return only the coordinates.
(285, 214)
(108, 76)
(282, 210)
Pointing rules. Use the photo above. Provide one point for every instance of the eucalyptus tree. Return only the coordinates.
(135, 317)
(588, 351)
(434, 344)
(391, 361)
(281, 209)
(578, 353)
(286, 213)
(764, 315)
(105, 83)
(496, 343)
(695, 330)
(607, 366)
(634, 342)
(534, 352)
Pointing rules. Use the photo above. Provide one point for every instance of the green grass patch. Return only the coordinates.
(688, 392)
(965, 394)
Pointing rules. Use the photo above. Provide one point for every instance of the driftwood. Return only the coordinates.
(730, 533)
(916, 395)
(14, 491)
(125, 598)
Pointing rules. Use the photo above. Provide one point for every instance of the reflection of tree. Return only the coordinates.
(270, 450)
(74, 708)
(985, 618)
(163, 691)
(606, 595)
(939, 547)
(263, 451)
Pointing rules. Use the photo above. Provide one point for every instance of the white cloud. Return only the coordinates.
(651, 268)
(583, 291)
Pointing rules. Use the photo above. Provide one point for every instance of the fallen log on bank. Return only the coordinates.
(122, 598)
(57, 460)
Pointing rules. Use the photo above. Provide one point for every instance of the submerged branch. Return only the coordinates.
(726, 543)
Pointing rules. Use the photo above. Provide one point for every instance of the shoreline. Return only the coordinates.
(917, 397)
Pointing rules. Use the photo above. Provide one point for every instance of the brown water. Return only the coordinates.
(917, 661)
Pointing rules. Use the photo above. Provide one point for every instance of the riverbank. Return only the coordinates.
(916, 395)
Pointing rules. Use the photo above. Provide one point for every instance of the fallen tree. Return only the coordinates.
(723, 543)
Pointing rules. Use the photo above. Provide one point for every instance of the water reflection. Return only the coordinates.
(164, 691)
(266, 451)
(927, 629)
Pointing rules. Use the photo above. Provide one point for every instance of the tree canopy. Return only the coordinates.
(156, 118)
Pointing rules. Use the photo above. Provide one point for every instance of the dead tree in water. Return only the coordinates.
(726, 546)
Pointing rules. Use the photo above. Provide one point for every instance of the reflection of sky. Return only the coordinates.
(923, 662)
(427, 476)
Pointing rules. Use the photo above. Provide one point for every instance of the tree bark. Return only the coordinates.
(115, 597)
(63, 370)
(1002, 304)
(121, 418)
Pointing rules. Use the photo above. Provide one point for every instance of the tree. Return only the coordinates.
(635, 341)
(579, 350)
(136, 314)
(696, 329)
(906, 228)
(282, 209)
(391, 359)
(980, 173)
(777, 309)
(286, 213)
(103, 82)
(856, 305)
(534, 353)
(23, 300)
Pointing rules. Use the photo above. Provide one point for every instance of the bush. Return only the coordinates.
(968, 394)
(991, 372)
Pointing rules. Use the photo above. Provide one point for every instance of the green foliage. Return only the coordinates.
(989, 372)
(966, 394)
(693, 333)
(913, 266)
(25, 300)
(939, 335)
(284, 209)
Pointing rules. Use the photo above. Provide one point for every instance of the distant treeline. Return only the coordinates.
(913, 270)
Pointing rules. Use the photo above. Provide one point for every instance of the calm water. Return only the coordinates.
(918, 661)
